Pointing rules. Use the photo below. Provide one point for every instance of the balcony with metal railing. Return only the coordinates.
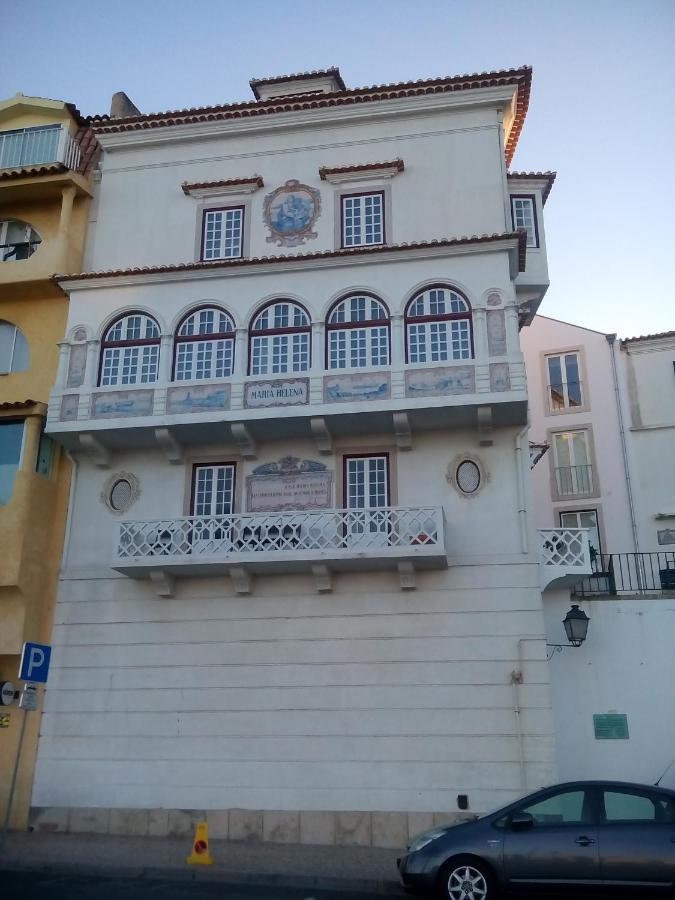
(317, 541)
(622, 574)
(574, 481)
(26, 148)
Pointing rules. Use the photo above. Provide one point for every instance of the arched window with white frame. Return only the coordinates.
(438, 326)
(357, 333)
(130, 351)
(204, 345)
(280, 339)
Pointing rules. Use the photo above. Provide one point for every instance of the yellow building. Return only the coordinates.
(46, 156)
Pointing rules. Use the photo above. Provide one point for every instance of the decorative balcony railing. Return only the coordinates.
(564, 556)
(38, 147)
(574, 480)
(194, 544)
(629, 573)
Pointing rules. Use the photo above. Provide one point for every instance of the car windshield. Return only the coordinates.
(496, 809)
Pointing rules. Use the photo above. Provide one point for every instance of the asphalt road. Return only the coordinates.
(38, 886)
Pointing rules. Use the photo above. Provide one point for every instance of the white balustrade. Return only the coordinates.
(399, 532)
(564, 556)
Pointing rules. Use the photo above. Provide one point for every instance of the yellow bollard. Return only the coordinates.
(200, 855)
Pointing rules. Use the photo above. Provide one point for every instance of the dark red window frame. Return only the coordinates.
(347, 456)
(365, 323)
(215, 336)
(535, 217)
(105, 345)
(293, 329)
(442, 317)
(344, 197)
(212, 209)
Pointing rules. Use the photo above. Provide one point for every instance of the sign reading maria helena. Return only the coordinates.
(293, 392)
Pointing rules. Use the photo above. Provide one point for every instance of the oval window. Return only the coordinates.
(468, 477)
(121, 495)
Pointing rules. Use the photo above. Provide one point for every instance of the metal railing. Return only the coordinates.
(348, 530)
(629, 573)
(574, 480)
(38, 146)
(565, 396)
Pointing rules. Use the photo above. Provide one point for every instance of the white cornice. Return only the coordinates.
(370, 174)
(231, 190)
(290, 264)
(310, 118)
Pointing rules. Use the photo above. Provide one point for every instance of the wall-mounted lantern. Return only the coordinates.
(576, 628)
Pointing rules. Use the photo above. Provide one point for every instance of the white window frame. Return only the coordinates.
(364, 341)
(434, 334)
(130, 360)
(360, 226)
(276, 348)
(368, 522)
(209, 358)
(220, 244)
(577, 514)
(579, 479)
(564, 383)
(8, 363)
(519, 205)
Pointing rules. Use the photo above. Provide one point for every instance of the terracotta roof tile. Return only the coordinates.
(528, 176)
(521, 78)
(366, 167)
(648, 337)
(298, 76)
(322, 254)
(33, 171)
(17, 404)
(188, 186)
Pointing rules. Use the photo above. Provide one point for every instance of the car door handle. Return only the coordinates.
(584, 841)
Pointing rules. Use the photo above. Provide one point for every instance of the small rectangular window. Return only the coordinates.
(11, 439)
(222, 233)
(572, 462)
(524, 215)
(564, 383)
(362, 219)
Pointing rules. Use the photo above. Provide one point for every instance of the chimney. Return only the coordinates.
(121, 106)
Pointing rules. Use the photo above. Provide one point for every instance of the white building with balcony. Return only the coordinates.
(302, 589)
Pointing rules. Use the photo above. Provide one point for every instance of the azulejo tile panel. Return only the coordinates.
(440, 382)
(197, 398)
(284, 392)
(121, 404)
(356, 387)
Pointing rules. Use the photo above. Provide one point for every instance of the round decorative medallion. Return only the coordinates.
(120, 492)
(290, 213)
(467, 475)
(494, 299)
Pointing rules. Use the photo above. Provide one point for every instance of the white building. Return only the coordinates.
(301, 591)
(606, 408)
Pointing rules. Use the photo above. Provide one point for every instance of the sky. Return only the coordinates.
(602, 110)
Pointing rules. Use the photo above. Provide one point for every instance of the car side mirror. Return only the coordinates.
(521, 821)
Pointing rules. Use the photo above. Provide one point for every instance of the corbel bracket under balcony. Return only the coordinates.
(323, 580)
(407, 576)
(162, 582)
(244, 440)
(95, 450)
(402, 431)
(241, 580)
(322, 436)
(172, 449)
(484, 417)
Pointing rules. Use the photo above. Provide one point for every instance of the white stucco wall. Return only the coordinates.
(369, 697)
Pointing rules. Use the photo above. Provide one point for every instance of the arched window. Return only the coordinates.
(18, 240)
(280, 339)
(438, 326)
(130, 351)
(204, 345)
(358, 333)
(13, 349)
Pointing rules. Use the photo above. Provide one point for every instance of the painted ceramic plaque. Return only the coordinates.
(290, 483)
(199, 398)
(440, 382)
(259, 394)
(290, 213)
(69, 404)
(120, 404)
(353, 388)
(76, 365)
(496, 332)
(500, 378)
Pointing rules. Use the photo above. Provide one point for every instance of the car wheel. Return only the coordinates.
(465, 878)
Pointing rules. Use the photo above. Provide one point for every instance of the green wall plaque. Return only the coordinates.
(611, 727)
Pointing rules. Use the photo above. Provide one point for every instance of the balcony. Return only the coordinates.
(564, 556)
(617, 574)
(317, 404)
(32, 147)
(574, 481)
(317, 541)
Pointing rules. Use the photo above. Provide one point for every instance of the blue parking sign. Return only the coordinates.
(34, 664)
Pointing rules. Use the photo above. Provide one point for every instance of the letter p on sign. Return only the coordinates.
(34, 664)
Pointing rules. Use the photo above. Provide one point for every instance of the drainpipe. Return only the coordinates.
(611, 338)
(520, 489)
(71, 503)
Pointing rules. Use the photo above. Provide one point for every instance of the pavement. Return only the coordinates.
(361, 870)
